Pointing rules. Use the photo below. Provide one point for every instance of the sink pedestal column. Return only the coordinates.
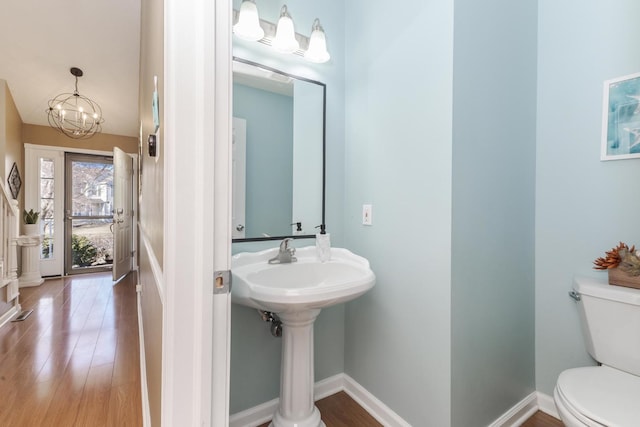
(296, 407)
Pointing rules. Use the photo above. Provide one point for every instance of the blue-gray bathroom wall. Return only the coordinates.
(583, 206)
(255, 354)
(399, 66)
(269, 159)
(492, 279)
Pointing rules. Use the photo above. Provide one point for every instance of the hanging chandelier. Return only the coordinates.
(73, 114)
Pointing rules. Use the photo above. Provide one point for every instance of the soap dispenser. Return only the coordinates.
(323, 245)
(298, 231)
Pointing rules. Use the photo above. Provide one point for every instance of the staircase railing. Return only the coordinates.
(8, 248)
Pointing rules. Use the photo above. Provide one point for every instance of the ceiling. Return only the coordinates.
(41, 40)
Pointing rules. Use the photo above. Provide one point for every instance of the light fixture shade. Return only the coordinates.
(317, 51)
(248, 26)
(75, 115)
(285, 40)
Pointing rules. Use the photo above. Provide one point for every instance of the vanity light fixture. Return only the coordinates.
(317, 51)
(280, 36)
(285, 40)
(248, 26)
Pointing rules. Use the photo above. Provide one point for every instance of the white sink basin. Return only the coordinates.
(301, 285)
(297, 292)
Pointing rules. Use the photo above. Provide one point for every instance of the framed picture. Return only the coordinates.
(621, 118)
(14, 181)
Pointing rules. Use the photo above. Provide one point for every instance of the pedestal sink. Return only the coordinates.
(297, 292)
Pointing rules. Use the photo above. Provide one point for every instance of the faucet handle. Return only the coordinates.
(284, 245)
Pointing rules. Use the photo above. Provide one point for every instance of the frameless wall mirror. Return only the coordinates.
(278, 153)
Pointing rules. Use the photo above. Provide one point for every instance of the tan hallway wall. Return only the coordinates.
(45, 135)
(151, 219)
(10, 147)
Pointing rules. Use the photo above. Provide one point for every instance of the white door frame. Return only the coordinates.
(238, 173)
(197, 207)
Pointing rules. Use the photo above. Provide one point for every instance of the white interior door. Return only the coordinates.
(122, 213)
(239, 177)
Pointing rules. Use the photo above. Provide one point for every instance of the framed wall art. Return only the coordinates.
(621, 118)
(14, 181)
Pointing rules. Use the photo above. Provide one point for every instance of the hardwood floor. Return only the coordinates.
(540, 419)
(75, 360)
(340, 410)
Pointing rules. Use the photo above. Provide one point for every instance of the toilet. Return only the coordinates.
(606, 395)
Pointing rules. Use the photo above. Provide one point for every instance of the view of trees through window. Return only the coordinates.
(46, 206)
(91, 206)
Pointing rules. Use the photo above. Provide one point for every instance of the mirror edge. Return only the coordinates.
(322, 226)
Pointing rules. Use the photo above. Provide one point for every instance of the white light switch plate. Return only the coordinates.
(367, 212)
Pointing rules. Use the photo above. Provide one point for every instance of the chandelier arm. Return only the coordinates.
(75, 115)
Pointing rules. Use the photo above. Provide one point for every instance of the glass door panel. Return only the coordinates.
(91, 243)
(47, 211)
(89, 213)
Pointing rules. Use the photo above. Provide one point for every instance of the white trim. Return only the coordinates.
(217, 351)
(328, 386)
(146, 409)
(53, 266)
(156, 269)
(341, 382)
(519, 413)
(254, 416)
(197, 85)
(69, 149)
(6, 318)
(262, 413)
(374, 406)
(547, 405)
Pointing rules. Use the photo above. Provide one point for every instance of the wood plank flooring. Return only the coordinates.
(340, 410)
(540, 419)
(75, 360)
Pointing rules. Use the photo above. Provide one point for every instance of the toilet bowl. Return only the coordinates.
(598, 396)
(606, 395)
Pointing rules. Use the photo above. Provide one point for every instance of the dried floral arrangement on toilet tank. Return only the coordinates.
(622, 264)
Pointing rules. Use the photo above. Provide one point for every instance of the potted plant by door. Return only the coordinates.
(31, 226)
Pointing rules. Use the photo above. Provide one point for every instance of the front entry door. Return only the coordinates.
(88, 213)
(122, 213)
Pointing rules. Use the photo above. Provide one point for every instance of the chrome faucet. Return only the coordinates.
(285, 254)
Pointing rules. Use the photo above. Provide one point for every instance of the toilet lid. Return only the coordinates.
(602, 394)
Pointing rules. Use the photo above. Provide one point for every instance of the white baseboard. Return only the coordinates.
(514, 417)
(146, 409)
(329, 386)
(254, 416)
(518, 414)
(6, 318)
(260, 414)
(547, 405)
(374, 406)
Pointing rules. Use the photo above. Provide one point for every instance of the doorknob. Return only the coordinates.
(240, 227)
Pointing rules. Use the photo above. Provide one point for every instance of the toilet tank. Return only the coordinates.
(610, 317)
